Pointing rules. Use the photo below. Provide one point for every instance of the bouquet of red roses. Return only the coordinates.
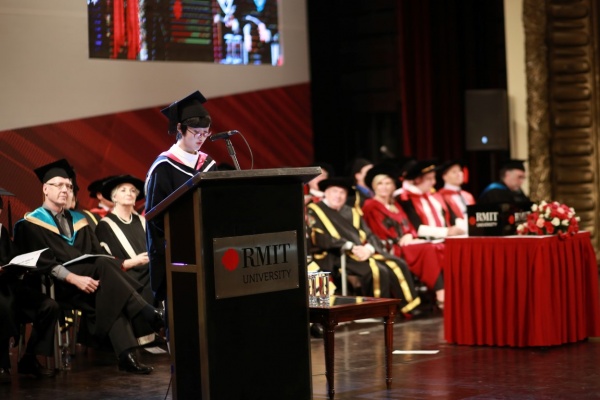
(549, 219)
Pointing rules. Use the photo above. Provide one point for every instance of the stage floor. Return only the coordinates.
(455, 372)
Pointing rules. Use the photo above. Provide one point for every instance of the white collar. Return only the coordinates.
(452, 187)
(412, 188)
(190, 160)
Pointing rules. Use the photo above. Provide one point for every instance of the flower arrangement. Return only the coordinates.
(549, 219)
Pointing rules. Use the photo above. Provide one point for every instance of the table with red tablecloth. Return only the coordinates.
(521, 290)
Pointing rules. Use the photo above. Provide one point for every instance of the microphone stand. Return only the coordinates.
(231, 151)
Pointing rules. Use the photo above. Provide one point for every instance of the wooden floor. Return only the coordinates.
(456, 372)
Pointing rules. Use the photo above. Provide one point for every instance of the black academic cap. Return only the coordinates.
(326, 166)
(112, 183)
(96, 186)
(60, 168)
(357, 165)
(345, 183)
(448, 164)
(188, 107)
(513, 164)
(419, 168)
(385, 168)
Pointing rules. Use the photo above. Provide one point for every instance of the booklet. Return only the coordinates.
(27, 261)
(83, 257)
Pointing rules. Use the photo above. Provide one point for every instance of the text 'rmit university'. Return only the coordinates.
(486, 216)
(268, 255)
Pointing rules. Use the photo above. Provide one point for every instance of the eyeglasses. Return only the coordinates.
(61, 186)
(201, 134)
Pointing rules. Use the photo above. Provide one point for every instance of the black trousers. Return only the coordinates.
(21, 303)
(110, 310)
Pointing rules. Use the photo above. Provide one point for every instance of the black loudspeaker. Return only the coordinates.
(486, 113)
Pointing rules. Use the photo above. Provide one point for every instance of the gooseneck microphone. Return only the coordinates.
(223, 135)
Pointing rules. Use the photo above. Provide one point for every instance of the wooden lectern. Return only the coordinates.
(236, 276)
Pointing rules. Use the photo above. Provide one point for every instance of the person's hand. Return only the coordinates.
(83, 283)
(264, 34)
(361, 252)
(406, 239)
(140, 259)
(455, 231)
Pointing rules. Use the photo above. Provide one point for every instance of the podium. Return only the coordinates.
(236, 285)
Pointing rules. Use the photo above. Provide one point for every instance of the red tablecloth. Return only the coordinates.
(521, 291)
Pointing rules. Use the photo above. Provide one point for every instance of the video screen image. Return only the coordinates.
(243, 32)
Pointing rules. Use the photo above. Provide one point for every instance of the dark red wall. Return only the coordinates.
(276, 123)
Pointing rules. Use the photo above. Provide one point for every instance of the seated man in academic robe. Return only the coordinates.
(428, 216)
(452, 194)
(336, 228)
(96, 285)
(508, 189)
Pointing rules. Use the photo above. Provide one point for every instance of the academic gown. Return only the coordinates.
(124, 241)
(21, 303)
(115, 298)
(425, 260)
(498, 192)
(8, 324)
(432, 224)
(382, 275)
(450, 198)
(166, 174)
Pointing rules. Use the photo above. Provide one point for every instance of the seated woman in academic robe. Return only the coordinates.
(122, 232)
(337, 228)
(389, 223)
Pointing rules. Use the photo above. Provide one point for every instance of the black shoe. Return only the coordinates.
(128, 363)
(29, 365)
(4, 376)
(158, 320)
(316, 331)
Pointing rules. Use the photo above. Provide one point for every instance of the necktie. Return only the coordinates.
(64, 224)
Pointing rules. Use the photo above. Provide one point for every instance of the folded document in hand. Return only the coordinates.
(25, 261)
(85, 256)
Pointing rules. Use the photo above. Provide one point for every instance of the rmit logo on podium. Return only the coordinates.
(496, 219)
(252, 264)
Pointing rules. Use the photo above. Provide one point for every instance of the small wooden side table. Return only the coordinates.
(347, 308)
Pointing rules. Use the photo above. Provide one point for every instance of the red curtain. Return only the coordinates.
(430, 92)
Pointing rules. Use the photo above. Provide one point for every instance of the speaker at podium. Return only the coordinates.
(486, 117)
(237, 293)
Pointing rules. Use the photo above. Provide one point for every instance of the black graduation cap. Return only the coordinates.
(112, 183)
(60, 168)
(326, 166)
(96, 186)
(345, 183)
(514, 164)
(357, 165)
(449, 164)
(418, 168)
(188, 107)
(385, 168)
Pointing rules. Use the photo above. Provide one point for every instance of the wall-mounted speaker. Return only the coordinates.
(486, 115)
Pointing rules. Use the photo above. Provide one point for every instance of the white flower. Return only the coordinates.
(534, 207)
(555, 221)
(565, 222)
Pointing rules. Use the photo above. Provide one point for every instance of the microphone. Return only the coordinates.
(223, 135)
(386, 152)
